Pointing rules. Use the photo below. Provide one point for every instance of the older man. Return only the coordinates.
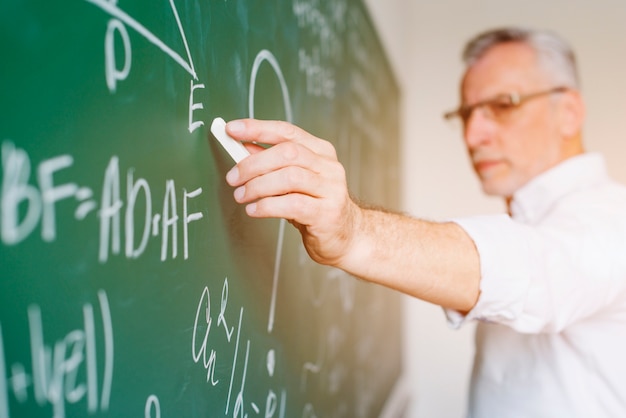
(547, 282)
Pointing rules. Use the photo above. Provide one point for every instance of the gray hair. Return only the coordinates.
(554, 55)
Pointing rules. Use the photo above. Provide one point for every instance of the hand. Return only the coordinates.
(300, 179)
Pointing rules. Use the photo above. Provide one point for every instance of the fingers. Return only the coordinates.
(300, 209)
(328, 184)
(278, 157)
(276, 132)
(294, 207)
(280, 182)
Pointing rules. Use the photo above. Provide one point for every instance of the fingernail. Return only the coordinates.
(251, 209)
(235, 127)
(233, 175)
(239, 192)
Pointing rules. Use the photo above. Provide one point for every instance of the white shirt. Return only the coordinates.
(551, 341)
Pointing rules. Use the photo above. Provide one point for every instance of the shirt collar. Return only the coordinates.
(531, 202)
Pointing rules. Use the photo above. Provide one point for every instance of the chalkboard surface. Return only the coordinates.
(131, 283)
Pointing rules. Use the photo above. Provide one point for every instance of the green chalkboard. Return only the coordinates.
(131, 284)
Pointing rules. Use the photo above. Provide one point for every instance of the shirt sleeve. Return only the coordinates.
(541, 279)
(505, 277)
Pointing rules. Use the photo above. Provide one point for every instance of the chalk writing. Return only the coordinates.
(113, 74)
(194, 124)
(320, 80)
(152, 403)
(122, 17)
(65, 372)
(196, 354)
(365, 70)
(322, 21)
(206, 354)
(41, 199)
(324, 26)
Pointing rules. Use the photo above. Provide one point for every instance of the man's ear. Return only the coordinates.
(571, 114)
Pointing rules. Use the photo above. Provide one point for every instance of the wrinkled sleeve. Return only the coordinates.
(505, 276)
(541, 279)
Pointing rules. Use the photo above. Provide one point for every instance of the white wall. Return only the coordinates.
(424, 39)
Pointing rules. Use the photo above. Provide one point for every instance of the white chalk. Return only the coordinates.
(234, 148)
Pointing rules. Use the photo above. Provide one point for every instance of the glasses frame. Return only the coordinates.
(513, 100)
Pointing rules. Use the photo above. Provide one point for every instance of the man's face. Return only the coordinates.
(513, 147)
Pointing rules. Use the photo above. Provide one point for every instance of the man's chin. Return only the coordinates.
(497, 189)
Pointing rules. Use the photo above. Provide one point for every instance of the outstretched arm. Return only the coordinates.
(300, 179)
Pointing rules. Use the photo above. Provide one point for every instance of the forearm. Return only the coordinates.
(436, 262)
(300, 179)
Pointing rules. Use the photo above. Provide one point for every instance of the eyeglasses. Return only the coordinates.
(497, 108)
